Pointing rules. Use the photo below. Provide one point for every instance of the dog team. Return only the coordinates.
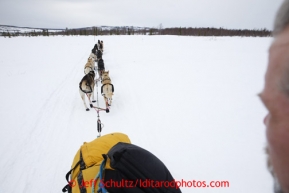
(88, 82)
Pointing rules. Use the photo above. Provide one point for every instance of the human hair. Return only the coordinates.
(282, 18)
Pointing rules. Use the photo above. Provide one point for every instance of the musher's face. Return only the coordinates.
(277, 104)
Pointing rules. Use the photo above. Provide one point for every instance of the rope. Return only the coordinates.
(101, 185)
(97, 109)
(99, 176)
(94, 182)
(99, 125)
(97, 98)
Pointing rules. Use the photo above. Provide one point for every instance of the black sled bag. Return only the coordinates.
(136, 170)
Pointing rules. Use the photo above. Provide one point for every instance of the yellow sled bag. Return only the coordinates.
(87, 161)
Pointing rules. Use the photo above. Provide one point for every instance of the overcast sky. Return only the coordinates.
(236, 14)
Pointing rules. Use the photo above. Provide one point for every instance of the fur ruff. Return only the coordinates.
(89, 66)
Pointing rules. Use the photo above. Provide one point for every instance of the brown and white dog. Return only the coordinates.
(89, 66)
(86, 87)
(107, 89)
(92, 56)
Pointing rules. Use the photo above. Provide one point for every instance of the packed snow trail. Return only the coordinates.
(191, 101)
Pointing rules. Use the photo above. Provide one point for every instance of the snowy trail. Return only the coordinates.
(48, 123)
(191, 101)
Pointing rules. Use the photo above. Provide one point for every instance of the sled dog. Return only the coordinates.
(98, 55)
(101, 46)
(100, 67)
(86, 87)
(107, 89)
(95, 47)
(92, 56)
(98, 43)
(89, 66)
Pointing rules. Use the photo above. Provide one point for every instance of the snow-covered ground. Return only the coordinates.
(191, 101)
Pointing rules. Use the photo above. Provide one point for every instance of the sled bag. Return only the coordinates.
(139, 167)
(87, 161)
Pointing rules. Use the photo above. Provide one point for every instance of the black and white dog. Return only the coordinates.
(98, 55)
(86, 87)
(101, 46)
(100, 67)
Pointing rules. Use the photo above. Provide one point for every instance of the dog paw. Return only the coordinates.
(107, 110)
(91, 105)
(94, 101)
(87, 109)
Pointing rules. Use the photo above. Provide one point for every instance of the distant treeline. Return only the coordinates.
(180, 31)
(215, 32)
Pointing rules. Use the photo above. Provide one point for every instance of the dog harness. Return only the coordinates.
(86, 85)
(106, 84)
